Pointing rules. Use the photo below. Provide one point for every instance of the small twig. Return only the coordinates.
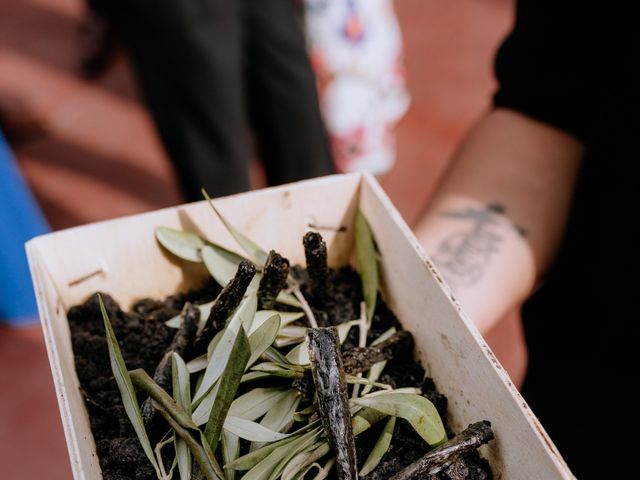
(89, 399)
(327, 228)
(274, 279)
(358, 359)
(226, 302)
(86, 277)
(363, 330)
(142, 380)
(442, 457)
(315, 252)
(333, 401)
(181, 342)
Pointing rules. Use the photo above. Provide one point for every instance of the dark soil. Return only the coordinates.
(143, 338)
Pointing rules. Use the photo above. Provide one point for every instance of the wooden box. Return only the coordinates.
(121, 257)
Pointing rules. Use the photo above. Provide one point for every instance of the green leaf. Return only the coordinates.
(255, 403)
(361, 420)
(182, 396)
(215, 340)
(305, 413)
(205, 310)
(174, 322)
(297, 334)
(251, 431)
(344, 328)
(302, 462)
(299, 355)
(250, 460)
(201, 453)
(367, 262)
(412, 390)
(203, 411)
(285, 318)
(198, 364)
(229, 383)
(416, 409)
(255, 252)
(181, 383)
(221, 263)
(292, 331)
(182, 244)
(277, 370)
(273, 355)
(355, 380)
(254, 376)
(263, 337)
(230, 451)
(220, 355)
(304, 445)
(273, 464)
(365, 419)
(380, 448)
(297, 464)
(288, 298)
(127, 392)
(280, 417)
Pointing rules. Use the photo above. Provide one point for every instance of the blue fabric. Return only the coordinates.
(20, 220)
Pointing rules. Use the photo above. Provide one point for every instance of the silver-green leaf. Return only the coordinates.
(251, 431)
(182, 244)
(380, 448)
(367, 262)
(255, 403)
(182, 396)
(263, 337)
(255, 252)
(127, 392)
(221, 263)
(228, 387)
(285, 318)
(280, 417)
(230, 452)
(417, 410)
(218, 360)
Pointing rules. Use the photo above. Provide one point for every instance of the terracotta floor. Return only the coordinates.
(101, 159)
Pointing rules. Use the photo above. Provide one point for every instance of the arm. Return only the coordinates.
(499, 215)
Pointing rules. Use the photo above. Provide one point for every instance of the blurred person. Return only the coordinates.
(21, 220)
(208, 68)
(356, 50)
(541, 204)
(99, 40)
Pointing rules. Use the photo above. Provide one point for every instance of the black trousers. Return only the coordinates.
(209, 70)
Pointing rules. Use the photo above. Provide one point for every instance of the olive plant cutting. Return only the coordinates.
(268, 371)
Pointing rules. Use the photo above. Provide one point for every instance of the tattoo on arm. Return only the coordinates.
(464, 255)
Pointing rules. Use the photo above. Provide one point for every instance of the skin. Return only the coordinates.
(497, 221)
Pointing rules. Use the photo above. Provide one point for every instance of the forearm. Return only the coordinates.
(499, 215)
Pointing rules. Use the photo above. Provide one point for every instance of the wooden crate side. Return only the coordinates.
(121, 257)
(55, 327)
(453, 351)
